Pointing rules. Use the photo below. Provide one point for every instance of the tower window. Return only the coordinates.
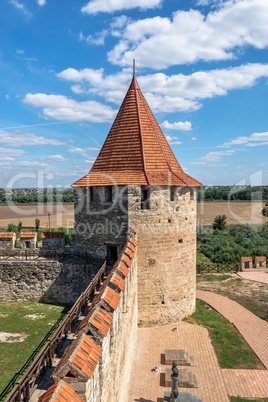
(108, 194)
(91, 194)
(173, 192)
(144, 198)
(112, 254)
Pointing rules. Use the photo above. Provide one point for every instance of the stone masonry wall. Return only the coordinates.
(166, 254)
(46, 281)
(111, 377)
(166, 236)
(99, 222)
(117, 374)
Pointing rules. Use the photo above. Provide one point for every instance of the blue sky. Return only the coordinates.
(65, 67)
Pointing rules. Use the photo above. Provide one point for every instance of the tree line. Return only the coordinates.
(232, 193)
(66, 195)
(226, 245)
(34, 196)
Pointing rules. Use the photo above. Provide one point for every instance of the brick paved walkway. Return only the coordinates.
(246, 383)
(257, 276)
(214, 383)
(146, 386)
(251, 327)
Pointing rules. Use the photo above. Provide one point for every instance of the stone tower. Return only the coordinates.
(136, 182)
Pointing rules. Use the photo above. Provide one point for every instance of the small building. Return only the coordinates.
(7, 240)
(260, 262)
(53, 241)
(28, 240)
(246, 263)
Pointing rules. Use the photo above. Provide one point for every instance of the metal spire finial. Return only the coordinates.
(134, 68)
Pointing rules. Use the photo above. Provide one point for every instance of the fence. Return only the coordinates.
(23, 384)
(216, 268)
(33, 255)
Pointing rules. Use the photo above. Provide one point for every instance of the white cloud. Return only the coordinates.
(104, 6)
(60, 107)
(83, 150)
(253, 140)
(213, 157)
(190, 36)
(32, 164)
(41, 2)
(54, 158)
(21, 7)
(10, 152)
(179, 125)
(97, 39)
(171, 93)
(173, 140)
(19, 139)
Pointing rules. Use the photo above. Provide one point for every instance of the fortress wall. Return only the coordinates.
(166, 254)
(111, 378)
(47, 281)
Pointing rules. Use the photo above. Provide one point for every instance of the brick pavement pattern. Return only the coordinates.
(251, 327)
(246, 383)
(147, 385)
(258, 276)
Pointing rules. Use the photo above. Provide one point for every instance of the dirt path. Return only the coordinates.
(250, 294)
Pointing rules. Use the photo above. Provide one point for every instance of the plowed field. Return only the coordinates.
(63, 214)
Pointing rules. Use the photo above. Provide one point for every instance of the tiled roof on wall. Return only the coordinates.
(80, 359)
(136, 150)
(260, 258)
(101, 320)
(60, 392)
(28, 235)
(7, 235)
(118, 282)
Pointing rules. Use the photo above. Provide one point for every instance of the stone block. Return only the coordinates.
(183, 397)
(187, 378)
(180, 356)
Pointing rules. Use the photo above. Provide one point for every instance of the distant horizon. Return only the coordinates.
(70, 187)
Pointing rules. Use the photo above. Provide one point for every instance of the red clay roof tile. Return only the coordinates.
(7, 235)
(246, 258)
(136, 151)
(101, 320)
(260, 258)
(60, 392)
(111, 297)
(27, 235)
(81, 359)
(122, 268)
(118, 281)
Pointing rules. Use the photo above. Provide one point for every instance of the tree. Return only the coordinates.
(19, 226)
(37, 224)
(220, 222)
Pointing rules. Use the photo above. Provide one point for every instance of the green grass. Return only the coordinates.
(16, 318)
(231, 349)
(214, 277)
(239, 399)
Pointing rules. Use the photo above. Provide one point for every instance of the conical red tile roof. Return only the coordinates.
(136, 150)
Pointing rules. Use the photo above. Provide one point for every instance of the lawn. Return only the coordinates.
(238, 399)
(230, 347)
(30, 322)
